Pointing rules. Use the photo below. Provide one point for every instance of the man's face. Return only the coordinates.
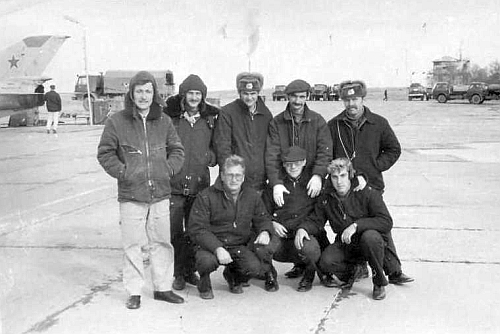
(143, 96)
(341, 182)
(249, 98)
(193, 98)
(354, 106)
(294, 168)
(297, 101)
(232, 179)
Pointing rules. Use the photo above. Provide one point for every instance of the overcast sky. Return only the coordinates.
(320, 41)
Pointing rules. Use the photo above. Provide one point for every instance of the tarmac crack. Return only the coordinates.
(338, 297)
(52, 319)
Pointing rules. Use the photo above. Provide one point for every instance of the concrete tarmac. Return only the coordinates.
(60, 251)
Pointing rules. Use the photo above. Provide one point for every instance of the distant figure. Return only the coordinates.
(141, 149)
(385, 95)
(54, 106)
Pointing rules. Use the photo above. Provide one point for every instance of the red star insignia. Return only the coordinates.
(13, 62)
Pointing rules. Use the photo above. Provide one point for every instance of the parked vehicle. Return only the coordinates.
(476, 92)
(113, 85)
(318, 92)
(334, 92)
(279, 93)
(417, 91)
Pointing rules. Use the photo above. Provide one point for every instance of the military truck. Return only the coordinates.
(476, 92)
(318, 92)
(113, 85)
(334, 92)
(279, 93)
(417, 91)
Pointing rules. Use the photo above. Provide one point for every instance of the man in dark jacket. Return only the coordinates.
(194, 121)
(367, 140)
(361, 222)
(287, 219)
(224, 221)
(141, 149)
(242, 129)
(54, 107)
(298, 126)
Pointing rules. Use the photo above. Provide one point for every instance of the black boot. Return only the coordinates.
(205, 287)
(271, 284)
(306, 282)
(234, 287)
(296, 271)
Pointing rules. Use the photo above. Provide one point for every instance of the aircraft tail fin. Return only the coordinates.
(30, 56)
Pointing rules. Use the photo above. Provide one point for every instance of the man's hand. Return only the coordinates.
(314, 186)
(280, 230)
(299, 238)
(263, 238)
(278, 191)
(223, 256)
(361, 183)
(349, 232)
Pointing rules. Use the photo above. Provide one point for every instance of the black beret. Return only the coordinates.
(354, 88)
(297, 86)
(293, 153)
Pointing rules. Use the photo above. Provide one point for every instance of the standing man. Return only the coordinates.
(194, 121)
(367, 140)
(290, 242)
(141, 149)
(54, 107)
(361, 222)
(298, 126)
(232, 227)
(242, 129)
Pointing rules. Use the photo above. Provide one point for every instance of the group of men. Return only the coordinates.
(281, 180)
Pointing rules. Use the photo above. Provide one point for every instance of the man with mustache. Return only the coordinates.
(298, 126)
(368, 141)
(194, 120)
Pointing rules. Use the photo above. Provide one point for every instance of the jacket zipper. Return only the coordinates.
(148, 171)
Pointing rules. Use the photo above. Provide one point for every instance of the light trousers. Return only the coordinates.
(52, 120)
(141, 221)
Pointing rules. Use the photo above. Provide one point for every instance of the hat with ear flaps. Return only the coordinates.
(142, 78)
(354, 88)
(249, 81)
(193, 82)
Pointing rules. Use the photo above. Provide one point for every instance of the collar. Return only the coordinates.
(367, 115)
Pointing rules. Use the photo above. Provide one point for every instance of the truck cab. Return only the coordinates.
(319, 91)
(279, 93)
(417, 91)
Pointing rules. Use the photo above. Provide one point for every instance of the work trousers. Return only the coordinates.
(180, 207)
(141, 221)
(284, 250)
(340, 259)
(52, 120)
(252, 261)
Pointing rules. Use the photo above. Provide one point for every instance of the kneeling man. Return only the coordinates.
(291, 242)
(223, 223)
(362, 224)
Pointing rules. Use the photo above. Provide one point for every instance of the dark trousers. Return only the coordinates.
(184, 260)
(340, 259)
(252, 261)
(285, 251)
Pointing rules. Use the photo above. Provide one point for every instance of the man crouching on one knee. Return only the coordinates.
(361, 223)
(223, 220)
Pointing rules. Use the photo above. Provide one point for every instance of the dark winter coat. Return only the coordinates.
(373, 148)
(237, 132)
(366, 208)
(142, 156)
(312, 135)
(216, 221)
(53, 101)
(298, 205)
(198, 146)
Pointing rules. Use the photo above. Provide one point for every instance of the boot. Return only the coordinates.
(271, 284)
(306, 282)
(205, 287)
(234, 287)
